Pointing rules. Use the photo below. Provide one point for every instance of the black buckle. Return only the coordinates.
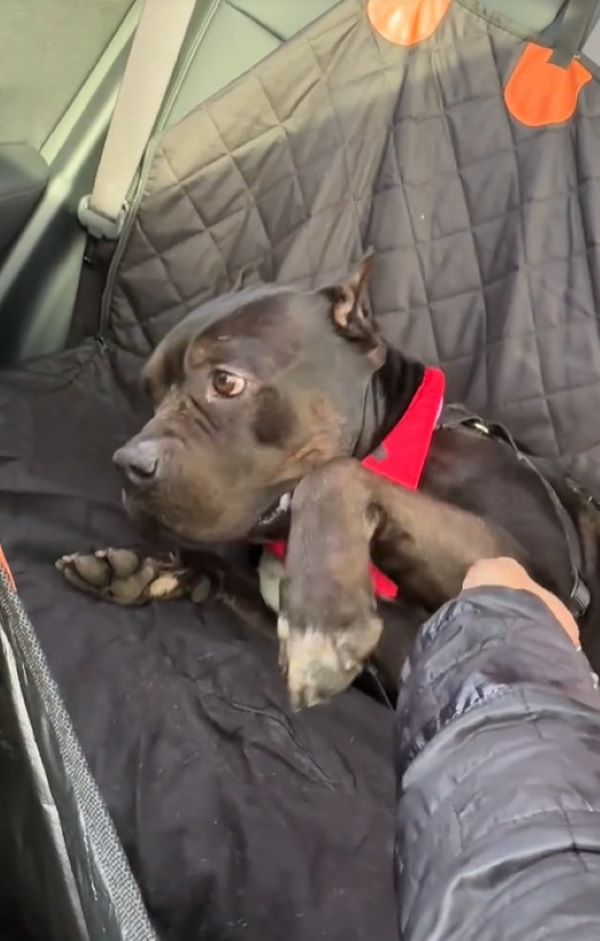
(584, 495)
(479, 425)
(580, 597)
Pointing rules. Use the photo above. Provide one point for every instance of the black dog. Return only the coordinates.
(265, 402)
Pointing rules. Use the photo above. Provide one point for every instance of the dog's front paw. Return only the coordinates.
(321, 660)
(124, 576)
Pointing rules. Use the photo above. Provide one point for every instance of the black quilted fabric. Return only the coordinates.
(486, 231)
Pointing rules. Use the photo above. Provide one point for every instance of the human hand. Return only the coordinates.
(508, 573)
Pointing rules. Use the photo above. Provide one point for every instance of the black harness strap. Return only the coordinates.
(579, 599)
(454, 416)
(574, 30)
(373, 685)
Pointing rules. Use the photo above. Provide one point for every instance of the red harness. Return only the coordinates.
(401, 456)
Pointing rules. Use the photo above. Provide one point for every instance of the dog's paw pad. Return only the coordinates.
(89, 569)
(165, 586)
(123, 576)
(123, 562)
(134, 589)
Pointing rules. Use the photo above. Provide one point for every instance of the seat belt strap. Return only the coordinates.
(154, 52)
(591, 46)
(574, 31)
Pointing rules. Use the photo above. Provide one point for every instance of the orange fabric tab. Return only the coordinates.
(539, 93)
(406, 22)
(6, 569)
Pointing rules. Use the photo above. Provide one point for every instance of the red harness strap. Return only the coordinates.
(401, 456)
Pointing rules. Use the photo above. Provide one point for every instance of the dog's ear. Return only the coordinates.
(349, 309)
(349, 306)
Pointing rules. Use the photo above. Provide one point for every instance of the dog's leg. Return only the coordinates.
(342, 516)
(237, 591)
(128, 577)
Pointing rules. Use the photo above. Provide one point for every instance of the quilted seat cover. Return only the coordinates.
(486, 231)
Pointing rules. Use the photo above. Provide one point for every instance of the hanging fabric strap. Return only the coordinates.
(154, 52)
(575, 27)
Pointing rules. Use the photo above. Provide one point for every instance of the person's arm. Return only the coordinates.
(498, 763)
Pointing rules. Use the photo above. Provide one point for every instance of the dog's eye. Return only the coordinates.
(227, 384)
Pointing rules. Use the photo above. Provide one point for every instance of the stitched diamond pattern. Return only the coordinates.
(486, 232)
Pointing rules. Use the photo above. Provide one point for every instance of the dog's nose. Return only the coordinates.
(139, 461)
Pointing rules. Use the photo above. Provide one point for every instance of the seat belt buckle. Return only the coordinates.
(98, 225)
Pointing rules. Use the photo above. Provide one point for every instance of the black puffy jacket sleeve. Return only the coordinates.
(498, 763)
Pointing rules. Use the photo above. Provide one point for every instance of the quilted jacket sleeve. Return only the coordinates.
(498, 761)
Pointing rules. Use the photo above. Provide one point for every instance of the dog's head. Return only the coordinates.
(250, 392)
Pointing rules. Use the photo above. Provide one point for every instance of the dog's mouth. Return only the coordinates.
(270, 523)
